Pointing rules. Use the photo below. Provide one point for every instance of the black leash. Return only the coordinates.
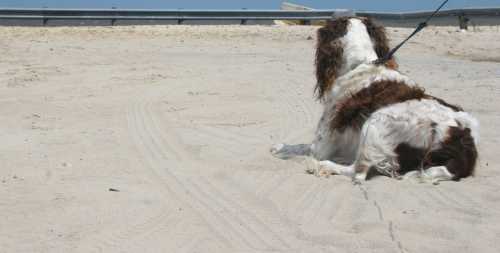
(419, 28)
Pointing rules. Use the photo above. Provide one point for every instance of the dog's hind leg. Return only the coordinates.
(284, 151)
(327, 168)
(374, 153)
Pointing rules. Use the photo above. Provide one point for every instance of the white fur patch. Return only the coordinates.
(358, 46)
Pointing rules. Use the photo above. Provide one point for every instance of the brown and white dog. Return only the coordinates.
(377, 120)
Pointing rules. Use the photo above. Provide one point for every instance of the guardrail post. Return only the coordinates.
(44, 21)
(113, 20)
(180, 21)
(243, 21)
(463, 21)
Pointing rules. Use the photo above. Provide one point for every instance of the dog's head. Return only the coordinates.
(345, 43)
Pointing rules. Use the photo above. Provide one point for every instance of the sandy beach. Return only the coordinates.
(156, 139)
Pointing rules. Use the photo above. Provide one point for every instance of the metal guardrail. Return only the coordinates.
(470, 12)
(460, 17)
(123, 14)
(114, 15)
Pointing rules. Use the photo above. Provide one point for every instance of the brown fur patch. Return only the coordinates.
(409, 158)
(457, 153)
(353, 111)
(392, 64)
(329, 52)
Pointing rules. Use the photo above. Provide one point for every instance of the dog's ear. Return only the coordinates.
(379, 38)
(329, 51)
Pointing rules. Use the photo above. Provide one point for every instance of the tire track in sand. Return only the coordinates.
(166, 160)
(249, 224)
(159, 167)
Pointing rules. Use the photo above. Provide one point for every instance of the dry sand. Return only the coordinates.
(179, 120)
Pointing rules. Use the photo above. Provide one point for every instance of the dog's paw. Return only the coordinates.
(415, 175)
(276, 148)
(280, 151)
(319, 169)
(312, 166)
(359, 178)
